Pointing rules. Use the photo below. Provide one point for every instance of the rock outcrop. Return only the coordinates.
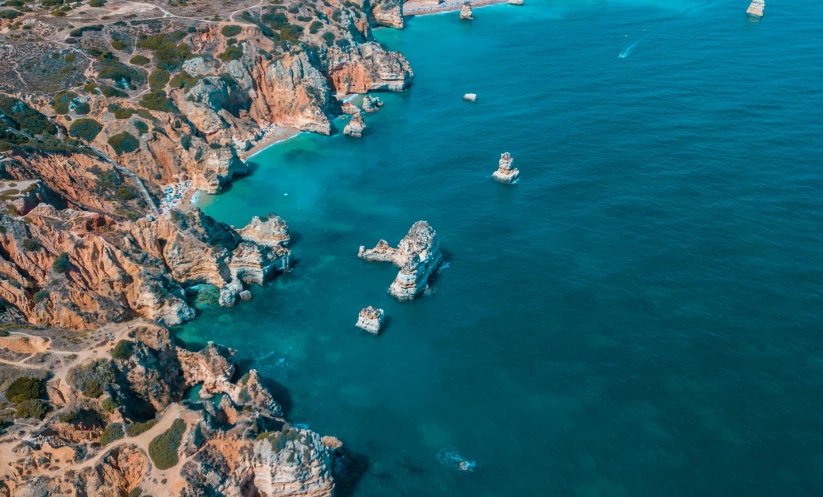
(388, 13)
(515, 2)
(470, 97)
(417, 255)
(505, 172)
(756, 8)
(356, 126)
(371, 104)
(466, 12)
(370, 319)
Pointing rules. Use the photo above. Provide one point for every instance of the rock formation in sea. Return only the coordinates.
(505, 172)
(371, 104)
(356, 126)
(350, 108)
(756, 8)
(466, 11)
(470, 97)
(370, 319)
(417, 255)
(515, 2)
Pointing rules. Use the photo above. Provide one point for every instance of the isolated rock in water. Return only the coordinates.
(245, 295)
(466, 12)
(356, 126)
(371, 104)
(417, 255)
(505, 172)
(470, 97)
(515, 2)
(370, 319)
(756, 8)
(350, 108)
(388, 13)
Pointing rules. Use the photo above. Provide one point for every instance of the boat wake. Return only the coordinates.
(451, 459)
(627, 51)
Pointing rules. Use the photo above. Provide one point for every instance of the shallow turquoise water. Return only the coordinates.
(641, 315)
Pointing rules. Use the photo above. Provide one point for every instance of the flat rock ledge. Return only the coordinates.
(417, 255)
(371, 320)
(505, 172)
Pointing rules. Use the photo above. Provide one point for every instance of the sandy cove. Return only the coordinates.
(424, 8)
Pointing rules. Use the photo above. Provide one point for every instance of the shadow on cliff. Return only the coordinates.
(349, 468)
(278, 390)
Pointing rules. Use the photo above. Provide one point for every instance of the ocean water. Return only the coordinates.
(640, 315)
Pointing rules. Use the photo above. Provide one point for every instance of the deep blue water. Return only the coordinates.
(640, 315)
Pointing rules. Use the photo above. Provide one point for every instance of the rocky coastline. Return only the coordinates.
(147, 98)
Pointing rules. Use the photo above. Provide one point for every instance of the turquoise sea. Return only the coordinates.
(640, 315)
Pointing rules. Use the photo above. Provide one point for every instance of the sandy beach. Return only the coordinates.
(274, 135)
(424, 8)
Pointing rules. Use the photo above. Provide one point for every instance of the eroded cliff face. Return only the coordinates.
(241, 446)
(76, 269)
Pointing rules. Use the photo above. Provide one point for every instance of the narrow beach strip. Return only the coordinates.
(424, 8)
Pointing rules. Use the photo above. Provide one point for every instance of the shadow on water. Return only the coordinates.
(349, 468)
(280, 393)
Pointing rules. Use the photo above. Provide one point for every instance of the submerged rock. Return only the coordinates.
(356, 126)
(417, 255)
(756, 8)
(505, 172)
(470, 97)
(466, 12)
(370, 319)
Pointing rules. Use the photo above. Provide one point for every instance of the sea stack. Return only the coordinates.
(756, 8)
(470, 97)
(370, 319)
(505, 172)
(371, 104)
(356, 126)
(466, 11)
(417, 255)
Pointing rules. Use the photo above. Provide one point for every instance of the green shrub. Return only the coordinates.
(121, 112)
(231, 53)
(158, 79)
(70, 57)
(85, 129)
(231, 30)
(9, 14)
(183, 80)
(140, 60)
(40, 296)
(136, 492)
(34, 408)
(24, 118)
(108, 405)
(112, 433)
(61, 263)
(99, 371)
(123, 143)
(97, 3)
(109, 91)
(23, 389)
(61, 102)
(30, 245)
(77, 33)
(141, 127)
(123, 350)
(185, 141)
(92, 389)
(328, 38)
(163, 448)
(116, 71)
(158, 101)
(118, 45)
(315, 27)
(67, 416)
(135, 429)
(167, 53)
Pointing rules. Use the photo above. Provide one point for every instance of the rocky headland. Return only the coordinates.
(417, 255)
